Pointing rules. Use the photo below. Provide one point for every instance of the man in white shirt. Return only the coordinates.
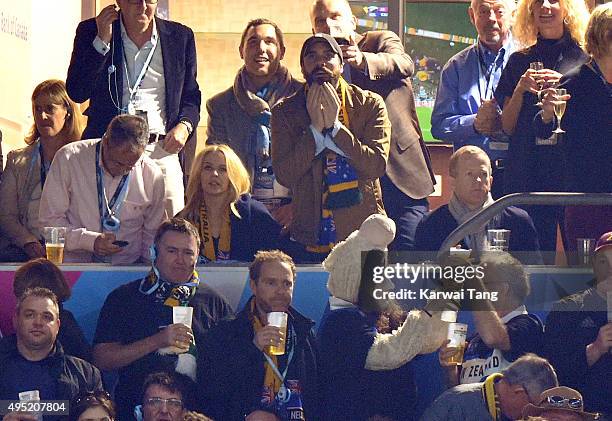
(128, 61)
(107, 194)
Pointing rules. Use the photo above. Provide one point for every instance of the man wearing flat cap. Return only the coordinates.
(331, 146)
(578, 336)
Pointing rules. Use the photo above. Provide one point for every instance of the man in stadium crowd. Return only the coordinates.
(578, 339)
(331, 143)
(237, 374)
(502, 396)
(107, 194)
(136, 333)
(33, 365)
(376, 61)
(165, 396)
(470, 177)
(502, 335)
(465, 112)
(240, 115)
(130, 61)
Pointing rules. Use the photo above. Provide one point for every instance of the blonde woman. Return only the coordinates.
(232, 225)
(57, 121)
(588, 125)
(553, 30)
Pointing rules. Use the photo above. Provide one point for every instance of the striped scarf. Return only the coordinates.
(207, 249)
(340, 189)
(490, 396)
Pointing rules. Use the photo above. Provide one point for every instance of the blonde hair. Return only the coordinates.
(598, 38)
(453, 163)
(574, 22)
(239, 181)
(55, 90)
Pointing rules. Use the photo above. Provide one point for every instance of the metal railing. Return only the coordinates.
(545, 198)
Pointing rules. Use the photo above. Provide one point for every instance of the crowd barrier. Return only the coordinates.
(91, 283)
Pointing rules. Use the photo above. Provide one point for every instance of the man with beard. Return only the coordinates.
(33, 363)
(240, 115)
(376, 61)
(331, 144)
(465, 111)
(136, 333)
(238, 375)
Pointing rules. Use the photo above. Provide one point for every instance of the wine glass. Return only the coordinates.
(537, 66)
(559, 109)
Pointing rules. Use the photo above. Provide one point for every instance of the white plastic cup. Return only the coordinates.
(182, 315)
(498, 239)
(278, 319)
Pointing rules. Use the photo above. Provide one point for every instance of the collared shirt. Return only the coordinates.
(151, 94)
(70, 200)
(463, 86)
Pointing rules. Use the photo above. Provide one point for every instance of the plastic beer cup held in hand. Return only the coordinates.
(278, 319)
(182, 315)
(457, 333)
(498, 239)
(55, 237)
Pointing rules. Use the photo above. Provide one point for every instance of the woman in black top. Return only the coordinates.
(554, 31)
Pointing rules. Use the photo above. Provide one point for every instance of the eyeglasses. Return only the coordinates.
(158, 403)
(563, 402)
(140, 1)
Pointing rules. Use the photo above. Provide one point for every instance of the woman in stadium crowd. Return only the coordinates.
(233, 226)
(57, 121)
(553, 30)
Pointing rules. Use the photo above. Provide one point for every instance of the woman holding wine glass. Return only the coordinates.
(232, 225)
(554, 31)
(587, 122)
(57, 121)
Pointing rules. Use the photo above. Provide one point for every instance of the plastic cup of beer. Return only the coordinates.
(278, 319)
(457, 333)
(182, 315)
(498, 239)
(55, 237)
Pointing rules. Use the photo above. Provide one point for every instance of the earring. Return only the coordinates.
(565, 21)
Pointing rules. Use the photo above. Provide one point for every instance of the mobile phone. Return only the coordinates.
(121, 243)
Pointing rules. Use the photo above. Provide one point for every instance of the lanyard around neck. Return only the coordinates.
(114, 206)
(143, 71)
(289, 358)
(37, 154)
(486, 73)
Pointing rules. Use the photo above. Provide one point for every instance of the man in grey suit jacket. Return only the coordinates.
(377, 62)
(240, 115)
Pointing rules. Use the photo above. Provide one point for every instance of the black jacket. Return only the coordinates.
(74, 375)
(231, 369)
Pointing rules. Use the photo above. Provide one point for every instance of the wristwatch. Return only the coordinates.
(187, 124)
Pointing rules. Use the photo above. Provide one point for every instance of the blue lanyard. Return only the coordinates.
(37, 154)
(282, 377)
(113, 207)
(487, 73)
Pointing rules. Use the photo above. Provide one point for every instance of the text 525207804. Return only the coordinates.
(40, 407)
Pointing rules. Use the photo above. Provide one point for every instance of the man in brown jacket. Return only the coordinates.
(376, 61)
(331, 143)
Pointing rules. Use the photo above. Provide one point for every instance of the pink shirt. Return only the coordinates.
(70, 199)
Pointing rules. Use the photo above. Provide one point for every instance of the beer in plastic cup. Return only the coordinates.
(55, 237)
(584, 249)
(278, 319)
(182, 315)
(498, 239)
(457, 333)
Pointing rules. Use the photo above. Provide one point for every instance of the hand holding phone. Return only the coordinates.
(104, 22)
(121, 243)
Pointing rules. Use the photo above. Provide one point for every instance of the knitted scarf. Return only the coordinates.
(271, 380)
(172, 295)
(207, 249)
(258, 103)
(477, 238)
(490, 396)
(341, 189)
